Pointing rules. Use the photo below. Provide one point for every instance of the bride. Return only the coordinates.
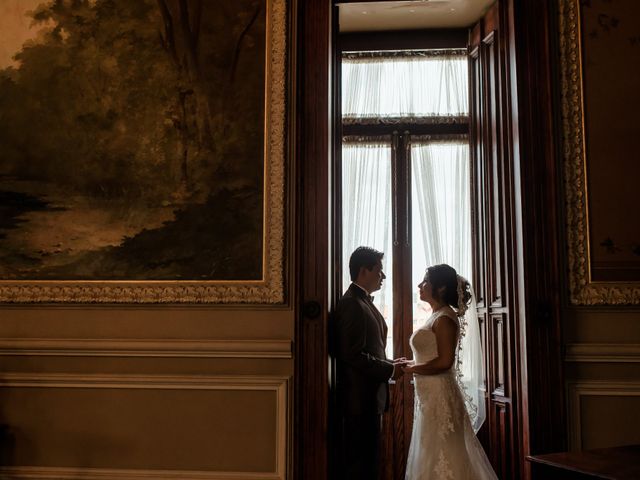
(447, 368)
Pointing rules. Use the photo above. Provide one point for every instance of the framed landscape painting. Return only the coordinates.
(600, 55)
(142, 151)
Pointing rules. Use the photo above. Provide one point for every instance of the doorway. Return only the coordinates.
(514, 215)
(403, 186)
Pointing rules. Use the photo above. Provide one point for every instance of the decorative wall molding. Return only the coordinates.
(173, 382)
(44, 473)
(603, 352)
(268, 290)
(582, 388)
(278, 384)
(583, 290)
(98, 347)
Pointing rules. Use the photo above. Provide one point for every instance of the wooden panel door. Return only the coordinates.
(516, 211)
(495, 258)
(312, 140)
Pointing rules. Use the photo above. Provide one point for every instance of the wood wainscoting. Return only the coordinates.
(234, 426)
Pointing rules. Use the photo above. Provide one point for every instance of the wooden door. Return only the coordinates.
(312, 70)
(494, 230)
(515, 172)
(498, 241)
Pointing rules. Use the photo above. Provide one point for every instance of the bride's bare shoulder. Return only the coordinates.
(445, 315)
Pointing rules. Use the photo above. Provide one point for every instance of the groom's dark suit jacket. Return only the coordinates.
(363, 370)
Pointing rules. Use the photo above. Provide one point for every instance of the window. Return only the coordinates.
(405, 185)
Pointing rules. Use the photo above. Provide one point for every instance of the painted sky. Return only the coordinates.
(15, 28)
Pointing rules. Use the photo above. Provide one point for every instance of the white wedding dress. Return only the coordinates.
(443, 443)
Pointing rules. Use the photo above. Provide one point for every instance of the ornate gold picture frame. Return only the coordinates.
(267, 285)
(588, 285)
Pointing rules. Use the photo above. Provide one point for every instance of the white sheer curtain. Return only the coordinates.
(366, 214)
(441, 206)
(407, 87)
(441, 192)
(412, 86)
(441, 212)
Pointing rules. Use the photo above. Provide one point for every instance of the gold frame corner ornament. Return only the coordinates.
(583, 290)
(268, 290)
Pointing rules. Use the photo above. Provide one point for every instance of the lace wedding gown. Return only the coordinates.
(443, 443)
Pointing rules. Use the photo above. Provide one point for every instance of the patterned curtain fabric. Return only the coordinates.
(411, 86)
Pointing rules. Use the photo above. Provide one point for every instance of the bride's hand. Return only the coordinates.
(400, 361)
(408, 367)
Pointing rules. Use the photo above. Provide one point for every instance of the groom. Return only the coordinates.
(363, 370)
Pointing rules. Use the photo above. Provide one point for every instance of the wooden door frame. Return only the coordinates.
(397, 422)
(534, 54)
(530, 53)
(312, 137)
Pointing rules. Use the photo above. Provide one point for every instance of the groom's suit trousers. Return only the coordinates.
(362, 376)
(361, 449)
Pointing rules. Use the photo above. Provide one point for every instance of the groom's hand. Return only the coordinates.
(398, 365)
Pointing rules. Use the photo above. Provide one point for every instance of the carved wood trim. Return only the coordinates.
(52, 473)
(583, 290)
(101, 347)
(576, 390)
(268, 290)
(182, 382)
(603, 352)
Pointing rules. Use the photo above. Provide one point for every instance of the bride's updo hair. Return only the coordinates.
(446, 276)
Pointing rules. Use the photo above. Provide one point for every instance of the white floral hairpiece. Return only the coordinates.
(462, 306)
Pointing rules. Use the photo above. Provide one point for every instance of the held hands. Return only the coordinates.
(405, 365)
(408, 366)
(399, 367)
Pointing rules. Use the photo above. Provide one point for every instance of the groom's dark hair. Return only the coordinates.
(366, 257)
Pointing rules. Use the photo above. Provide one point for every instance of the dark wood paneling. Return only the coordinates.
(621, 463)
(312, 180)
(338, 2)
(474, 36)
(404, 40)
(495, 159)
(535, 55)
(501, 457)
(499, 368)
(416, 129)
(498, 242)
(478, 173)
(512, 82)
(491, 19)
(394, 446)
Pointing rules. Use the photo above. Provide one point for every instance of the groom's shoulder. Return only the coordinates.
(351, 293)
(347, 298)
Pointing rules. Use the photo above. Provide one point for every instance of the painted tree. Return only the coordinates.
(202, 100)
(138, 99)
